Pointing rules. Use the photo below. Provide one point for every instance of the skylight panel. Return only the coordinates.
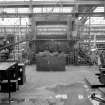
(14, 21)
(99, 9)
(97, 20)
(53, 10)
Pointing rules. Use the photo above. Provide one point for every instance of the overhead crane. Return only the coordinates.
(40, 4)
(80, 14)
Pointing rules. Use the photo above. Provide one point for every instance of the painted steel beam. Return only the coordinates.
(24, 4)
(85, 18)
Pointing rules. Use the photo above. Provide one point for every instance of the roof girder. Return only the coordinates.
(24, 4)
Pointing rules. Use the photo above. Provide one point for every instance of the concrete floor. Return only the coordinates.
(45, 85)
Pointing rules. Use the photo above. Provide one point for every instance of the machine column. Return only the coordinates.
(69, 27)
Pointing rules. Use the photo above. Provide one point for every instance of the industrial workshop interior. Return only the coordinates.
(52, 52)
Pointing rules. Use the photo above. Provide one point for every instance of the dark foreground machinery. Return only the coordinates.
(12, 75)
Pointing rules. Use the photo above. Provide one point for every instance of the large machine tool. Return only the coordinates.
(54, 34)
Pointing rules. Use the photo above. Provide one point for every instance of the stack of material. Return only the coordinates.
(46, 61)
